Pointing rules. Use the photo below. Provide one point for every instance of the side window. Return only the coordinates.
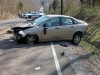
(64, 21)
(53, 22)
(48, 24)
(67, 21)
(75, 22)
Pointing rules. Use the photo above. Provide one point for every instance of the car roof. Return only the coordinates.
(58, 16)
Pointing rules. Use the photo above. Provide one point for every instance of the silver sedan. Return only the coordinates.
(51, 28)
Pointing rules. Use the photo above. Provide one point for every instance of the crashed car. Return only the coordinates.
(51, 28)
(33, 15)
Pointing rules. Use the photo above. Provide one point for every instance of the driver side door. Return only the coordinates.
(52, 30)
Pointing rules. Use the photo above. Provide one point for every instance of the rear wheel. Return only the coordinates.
(76, 39)
(30, 39)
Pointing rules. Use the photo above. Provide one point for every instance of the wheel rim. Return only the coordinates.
(30, 39)
(77, 39)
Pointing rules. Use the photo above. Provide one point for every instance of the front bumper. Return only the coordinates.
(17, 36)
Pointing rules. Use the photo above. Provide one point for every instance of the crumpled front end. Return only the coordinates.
(18, 33)
(18, 37)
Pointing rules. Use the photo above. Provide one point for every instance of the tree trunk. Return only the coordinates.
(93, 4)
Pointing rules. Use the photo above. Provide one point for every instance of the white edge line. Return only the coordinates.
(56, 60)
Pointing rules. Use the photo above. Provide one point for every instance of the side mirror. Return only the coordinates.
(44, 30)
(44, 25)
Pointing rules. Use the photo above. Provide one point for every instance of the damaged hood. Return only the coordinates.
(22, 25)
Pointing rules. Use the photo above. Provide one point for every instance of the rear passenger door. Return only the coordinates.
(67, 27)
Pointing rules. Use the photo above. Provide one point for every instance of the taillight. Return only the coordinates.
(86, 28)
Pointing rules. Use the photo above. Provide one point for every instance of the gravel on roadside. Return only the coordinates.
(87, 58)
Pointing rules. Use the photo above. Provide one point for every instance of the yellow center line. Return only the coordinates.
(8, 28)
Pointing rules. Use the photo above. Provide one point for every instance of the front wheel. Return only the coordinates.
(30, 39)
(76, 39)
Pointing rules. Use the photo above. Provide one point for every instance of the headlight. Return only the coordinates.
(22, 33)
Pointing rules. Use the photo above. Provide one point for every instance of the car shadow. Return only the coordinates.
(9, 43)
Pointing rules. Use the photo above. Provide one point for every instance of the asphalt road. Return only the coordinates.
(21, 59)
(7, 23)
(35, 59)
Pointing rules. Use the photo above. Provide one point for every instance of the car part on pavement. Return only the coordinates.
(65, 44)
(37, 68)
(62, 54)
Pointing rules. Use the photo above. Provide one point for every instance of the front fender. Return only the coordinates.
(22, 33)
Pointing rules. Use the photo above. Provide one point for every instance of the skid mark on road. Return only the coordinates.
(56, 60)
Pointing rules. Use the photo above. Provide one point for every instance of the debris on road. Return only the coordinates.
(37, 68)
(11, 40)
(65, 44)
(62, 54)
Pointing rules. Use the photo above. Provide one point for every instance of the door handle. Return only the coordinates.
(45, 28)
(72, 26)
(57, 28)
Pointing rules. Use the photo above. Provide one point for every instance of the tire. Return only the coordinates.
(76, 39)
(30, 39)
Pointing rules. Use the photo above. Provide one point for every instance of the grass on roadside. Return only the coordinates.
(91, 48)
